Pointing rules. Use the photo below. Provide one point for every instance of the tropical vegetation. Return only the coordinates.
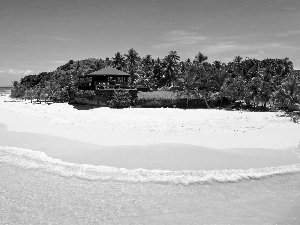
(249, 83)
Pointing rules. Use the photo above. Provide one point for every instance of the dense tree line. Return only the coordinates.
(268, 83)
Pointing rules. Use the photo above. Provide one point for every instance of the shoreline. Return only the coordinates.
(168, 156)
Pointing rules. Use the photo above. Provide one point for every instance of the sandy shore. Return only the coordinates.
(84, 136)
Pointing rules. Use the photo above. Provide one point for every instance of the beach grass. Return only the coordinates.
(158, 95)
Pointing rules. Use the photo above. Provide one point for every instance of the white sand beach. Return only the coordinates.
(212, 128)
(151, 138)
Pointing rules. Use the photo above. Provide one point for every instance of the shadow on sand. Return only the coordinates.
(83, 107)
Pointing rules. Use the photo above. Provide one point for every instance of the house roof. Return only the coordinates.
(108, 71)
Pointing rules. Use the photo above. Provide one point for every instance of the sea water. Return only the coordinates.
(5, 90)
(38, 189)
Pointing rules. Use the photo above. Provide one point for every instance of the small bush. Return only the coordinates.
(85, 97)
(120, 99)
(18, 90)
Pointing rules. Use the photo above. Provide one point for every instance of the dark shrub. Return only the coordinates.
(120, 99)
(85, 97)
(151, 104)
(18, 90)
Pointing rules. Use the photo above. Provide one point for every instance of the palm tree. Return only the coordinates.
(171, 67)
(77, 68)
(218, 70)
(286, 66)
(238, 59)
(107, 62)
(118, 61)
(147, 64)
(132, 59)
(99, 64)
(200, 58)
(158, 71)
(146, 74)
(187, 85)
(217, 64)
(200, 69)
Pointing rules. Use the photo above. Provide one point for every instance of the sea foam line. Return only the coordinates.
(35, 160)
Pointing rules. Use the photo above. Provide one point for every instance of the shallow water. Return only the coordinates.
(35, 197)
(36, 189)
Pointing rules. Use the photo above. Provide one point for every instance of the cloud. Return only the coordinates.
(196, 27)
(57, 38)
(18, 72)
(290, 8)
(179, 38)
(289, 33)
(250, 48)
(59, 61)
(278, 46)
(8, 76)
(28, 72)
(222, 47)
(232, 46)
(193, 40)
(248, 36)
(64, 39)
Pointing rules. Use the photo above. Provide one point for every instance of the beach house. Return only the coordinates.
(107, 80)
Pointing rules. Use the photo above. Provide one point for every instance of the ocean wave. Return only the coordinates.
(35, 160)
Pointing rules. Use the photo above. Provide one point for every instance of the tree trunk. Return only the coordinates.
(206, 103)
(265, 105)
(187, 102)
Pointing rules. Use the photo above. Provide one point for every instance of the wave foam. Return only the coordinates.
(36, 160)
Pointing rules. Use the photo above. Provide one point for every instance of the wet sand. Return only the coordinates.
(153, 156)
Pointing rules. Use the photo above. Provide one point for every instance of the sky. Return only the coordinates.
(40, 35)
